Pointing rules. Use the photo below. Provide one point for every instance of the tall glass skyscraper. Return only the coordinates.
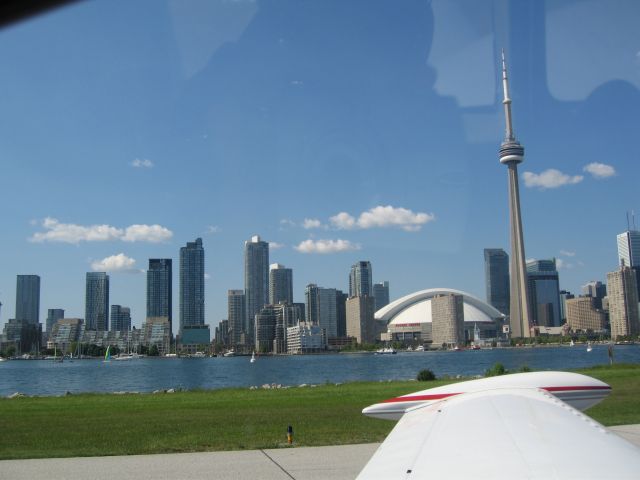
(120, 318)
(280, 284)
(28, 298)
(192, 285)
(629, 253)
(496, 277)
(381, 294)
(96, 305)
(53, 315)
(159, 289)
(544, 292)
(361, 280)
(236, 314)
(256, 280)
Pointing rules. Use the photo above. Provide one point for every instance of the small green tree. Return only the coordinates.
(497, 369)
(426, 375)
(153, 350)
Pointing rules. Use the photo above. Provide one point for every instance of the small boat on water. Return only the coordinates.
(589, 347)
(386, 351)
(199, 355)
(253, 357)
(107, 355)
(571, 344)
(420, 348)
(229, 353)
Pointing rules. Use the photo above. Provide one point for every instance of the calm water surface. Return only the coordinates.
(42, 377)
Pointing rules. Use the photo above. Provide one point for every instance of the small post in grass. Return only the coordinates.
(289, 434)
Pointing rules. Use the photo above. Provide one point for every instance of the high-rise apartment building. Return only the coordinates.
(28, 298)
(96, 306)
(321, 308)
(623, 302)
(120, 318)
(597, 290)
(447, 320)
(544, 292)
(280, 284)
(341, 312)
(381, 294)
(361, 279)
(256, 280)
(236, 314)
(496, 277)
(192, 285)
(159, 289)
(53, 315)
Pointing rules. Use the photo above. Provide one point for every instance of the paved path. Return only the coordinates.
(342, 462)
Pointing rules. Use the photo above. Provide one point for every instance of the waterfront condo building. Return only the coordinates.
(160, 290)
(28, 298)
(236, 314)
(96, 306)
(496, 277)
(361, 279)
(193, 331)
(256, 281)
(360, 319)
(623, 302)
(53, 315)
(280, 284)
(584, 316)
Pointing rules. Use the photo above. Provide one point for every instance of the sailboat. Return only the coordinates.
(571, 344)
(107, 355)
(253, 357)
(589, 347)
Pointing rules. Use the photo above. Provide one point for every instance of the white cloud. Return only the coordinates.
(211, 229)
(115, 263)
(285, 222)
(550, 178)
(72, 233)
(275, 245)
(326, 246)
(147, 233)
(600, 170)
(142, 163)
(383, 217)
(343, 221)
(310, 223)
(567, 253)
(563, 264)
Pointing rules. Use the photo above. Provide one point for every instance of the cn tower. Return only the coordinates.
(511, 154)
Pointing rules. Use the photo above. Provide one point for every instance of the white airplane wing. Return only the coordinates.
(503, 433)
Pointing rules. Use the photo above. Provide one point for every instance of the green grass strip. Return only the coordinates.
(233, 419)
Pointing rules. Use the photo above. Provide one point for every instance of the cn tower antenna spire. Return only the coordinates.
(506, 101)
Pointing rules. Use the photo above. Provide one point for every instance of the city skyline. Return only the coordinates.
(325, 163)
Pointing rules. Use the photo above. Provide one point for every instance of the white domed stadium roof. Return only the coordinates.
(415, 308)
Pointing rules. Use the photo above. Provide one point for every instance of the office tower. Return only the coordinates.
(160, 289)
(311, 303)
(28, 298)
(287, 317)
(584, 316)
(192, 285)
(447, 314)
(629, 252)
(236, 314)
(96, 306)
(544, 293)
(597, 290)
(361, 279)
(496, 278)
(511, 154)
(381, 294)
(302, 315)
(256, 280)
(360, 319)
(564, 296)
(120, 318)
(623, 302)
(53, 315)
(222, 333)
(280, 284)
(341, 312)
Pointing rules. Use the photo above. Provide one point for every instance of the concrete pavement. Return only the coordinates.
(342, 462)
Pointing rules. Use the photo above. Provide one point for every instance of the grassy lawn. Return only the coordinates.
(233, 419)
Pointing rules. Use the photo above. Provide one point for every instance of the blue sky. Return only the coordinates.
(338, 131)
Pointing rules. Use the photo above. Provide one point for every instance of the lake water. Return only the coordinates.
(45, 377)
